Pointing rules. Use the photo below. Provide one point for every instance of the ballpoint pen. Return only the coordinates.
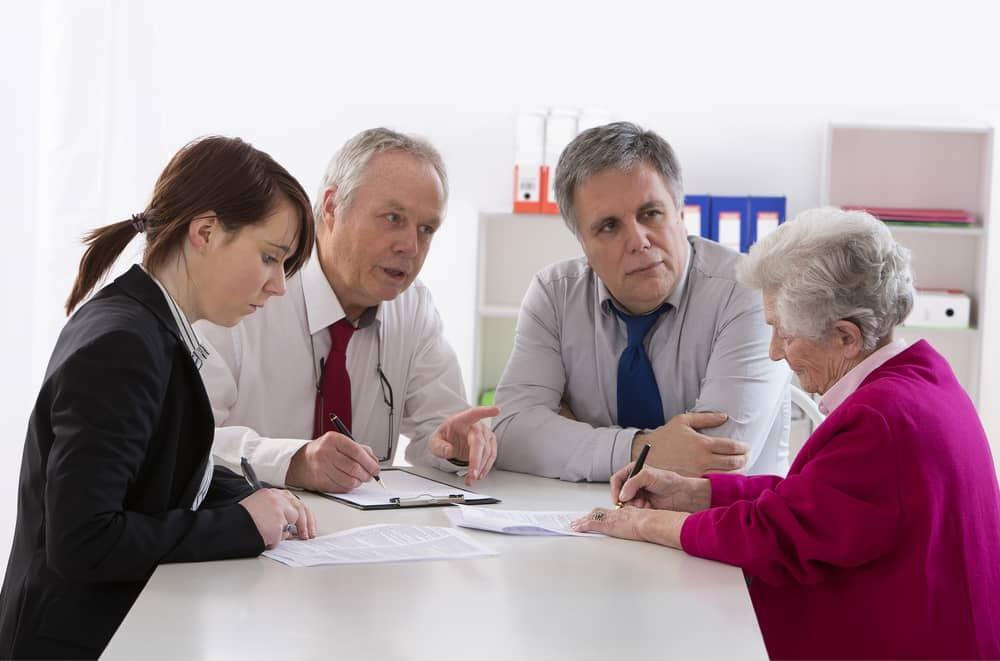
(342, 428)
(250, 475)
(635, 469)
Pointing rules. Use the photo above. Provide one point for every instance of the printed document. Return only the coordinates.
(517, 522)
(379, 543)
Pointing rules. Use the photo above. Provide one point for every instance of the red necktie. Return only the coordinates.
(336, 395)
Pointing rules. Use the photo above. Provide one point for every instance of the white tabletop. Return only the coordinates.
(540, 598)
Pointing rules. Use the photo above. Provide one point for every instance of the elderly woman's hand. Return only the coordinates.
(655, 488)
(647, 525)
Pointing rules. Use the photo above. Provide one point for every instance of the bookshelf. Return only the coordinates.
(512, 249)
(924, 166)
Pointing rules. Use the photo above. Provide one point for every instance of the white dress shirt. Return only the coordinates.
(261, 375)
(196, 347)
(709, 352)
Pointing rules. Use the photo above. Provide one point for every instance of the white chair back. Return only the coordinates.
(808, 405)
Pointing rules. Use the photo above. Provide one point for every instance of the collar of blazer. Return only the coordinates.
(137, 284)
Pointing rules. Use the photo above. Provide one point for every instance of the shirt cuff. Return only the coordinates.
(270, 458)
(614, 450)
(726, 489)
(691, 531)
(621, 454)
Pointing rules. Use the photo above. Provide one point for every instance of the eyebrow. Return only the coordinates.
(279, 246)
(646, 206)
(600, 221)
(651, 205)
(398, 206)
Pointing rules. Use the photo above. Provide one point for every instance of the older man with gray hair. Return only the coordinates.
(647, 339)
(356, 340)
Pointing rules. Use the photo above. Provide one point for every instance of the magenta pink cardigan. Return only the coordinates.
(884, 539)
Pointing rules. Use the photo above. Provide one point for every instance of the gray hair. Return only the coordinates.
(619, 145)
(348, 165)
(827, 265)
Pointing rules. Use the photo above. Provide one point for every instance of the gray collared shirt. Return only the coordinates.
(709, 351)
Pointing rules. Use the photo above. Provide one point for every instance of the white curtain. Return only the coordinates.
(72, 94)
(88, 108)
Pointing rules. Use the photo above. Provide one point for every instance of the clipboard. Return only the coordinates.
(405, 489)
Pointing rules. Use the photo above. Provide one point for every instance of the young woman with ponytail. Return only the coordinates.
(117, 476)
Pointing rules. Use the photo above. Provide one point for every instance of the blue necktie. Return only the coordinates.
(639, 403)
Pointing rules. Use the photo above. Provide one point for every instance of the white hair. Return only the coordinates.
(827, 265)
(348, 165)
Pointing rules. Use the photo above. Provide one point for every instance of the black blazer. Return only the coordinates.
(116, 448)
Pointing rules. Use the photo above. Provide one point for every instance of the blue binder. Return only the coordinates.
(729, 219)
(765, 214)
(704, 210)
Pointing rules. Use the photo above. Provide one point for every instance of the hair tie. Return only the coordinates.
(139, 222)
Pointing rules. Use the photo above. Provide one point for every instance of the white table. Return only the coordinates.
(540, 598)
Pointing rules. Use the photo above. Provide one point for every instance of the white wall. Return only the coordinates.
(19, 35)
(110, 89)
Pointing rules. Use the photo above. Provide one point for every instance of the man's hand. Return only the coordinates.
(332, 463)
(565, 411)
(465, 438)
(677, 446)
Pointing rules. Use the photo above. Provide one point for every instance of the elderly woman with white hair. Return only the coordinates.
(884, 539)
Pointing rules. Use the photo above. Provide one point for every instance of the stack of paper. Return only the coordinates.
(379, 543)
(517, 522)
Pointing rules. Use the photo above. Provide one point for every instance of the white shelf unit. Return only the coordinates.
(924, 166)
(512, 249)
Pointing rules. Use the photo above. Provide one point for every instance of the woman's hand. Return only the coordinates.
(279, 515)
(656, 488)
(647, 525)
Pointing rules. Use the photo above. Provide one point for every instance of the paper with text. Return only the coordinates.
(385, 542)
(517, 522)
(405, 485)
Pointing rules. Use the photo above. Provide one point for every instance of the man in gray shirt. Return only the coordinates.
(617, 349)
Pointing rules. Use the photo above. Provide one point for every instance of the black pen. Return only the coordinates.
(342, 428)
(635, 469)
(250, 475)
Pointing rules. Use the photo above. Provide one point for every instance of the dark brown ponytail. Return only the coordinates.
(104, 244)
(241, 184)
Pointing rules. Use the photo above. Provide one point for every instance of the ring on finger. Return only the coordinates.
(597, 516)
